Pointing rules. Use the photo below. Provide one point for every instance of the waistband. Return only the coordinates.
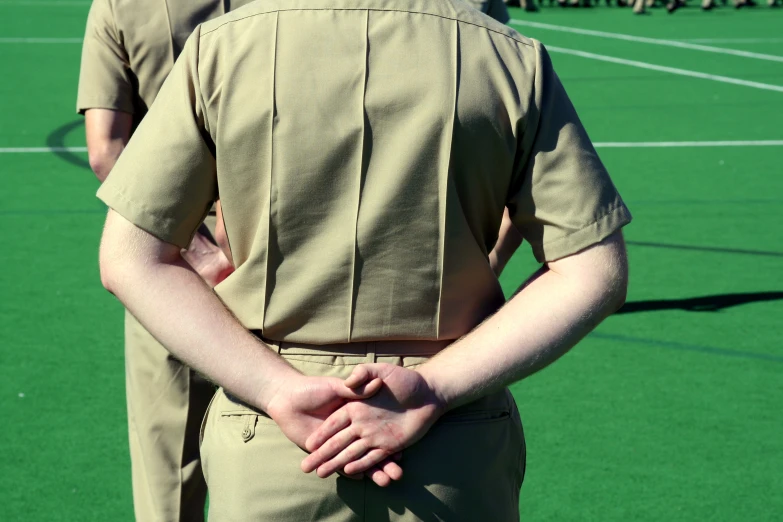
(377, 348)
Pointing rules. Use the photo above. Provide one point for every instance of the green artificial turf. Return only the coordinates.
(670, 411)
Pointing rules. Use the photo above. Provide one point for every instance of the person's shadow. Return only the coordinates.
(708, 303)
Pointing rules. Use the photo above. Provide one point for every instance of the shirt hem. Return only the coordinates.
(585, 237)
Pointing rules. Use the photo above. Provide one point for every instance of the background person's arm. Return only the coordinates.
(106, 98)
(552, 312)
(107, 132)
(106, 89)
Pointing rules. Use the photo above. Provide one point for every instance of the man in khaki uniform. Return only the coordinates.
(129, 49)
(364, 152)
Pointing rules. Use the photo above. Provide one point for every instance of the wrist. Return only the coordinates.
(274, 388)
(437, 389)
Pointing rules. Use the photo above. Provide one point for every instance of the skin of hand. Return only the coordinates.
(107, 132)
(301, 407)
(363, 432)
(552, 311)
(208, 260)
(179, 309)
(508, 242)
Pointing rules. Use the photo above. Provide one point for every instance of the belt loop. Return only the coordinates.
(371, 355)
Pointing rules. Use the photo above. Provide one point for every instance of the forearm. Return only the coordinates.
(183, 313)
(539, 324)
(103, 156)
(107, 132)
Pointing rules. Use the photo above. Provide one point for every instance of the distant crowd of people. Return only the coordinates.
(639, 6)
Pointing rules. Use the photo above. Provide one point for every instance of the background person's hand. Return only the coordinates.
(362, 434)
(208, 260)
(300, 407)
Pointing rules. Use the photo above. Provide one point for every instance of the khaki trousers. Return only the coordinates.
(166, 403)
(469, 466)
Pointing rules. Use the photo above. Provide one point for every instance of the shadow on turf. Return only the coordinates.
(709, 303)
(719, 250)
(56, 139)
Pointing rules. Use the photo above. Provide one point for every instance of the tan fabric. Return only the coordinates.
(364, 151)
(130, 46)
(469, 466)
(166, 403)
(129, 49)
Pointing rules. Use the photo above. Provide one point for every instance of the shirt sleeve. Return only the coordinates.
(105, 77)
(562, 199)
(165, 180)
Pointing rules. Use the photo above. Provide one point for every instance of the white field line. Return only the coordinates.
(732, 40)
(33, 150)
(598, 145)
(674, 144)
(671, 70)
(40, 40)
(654, 41)
(45, 3)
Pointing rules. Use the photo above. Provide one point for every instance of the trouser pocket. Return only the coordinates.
(242, 423)
(466, 468)
(204, 420)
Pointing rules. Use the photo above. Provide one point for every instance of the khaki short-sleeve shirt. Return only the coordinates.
(363, 152)
(130, 46)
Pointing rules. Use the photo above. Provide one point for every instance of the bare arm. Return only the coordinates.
(166, 295)
(552, 312)
(537, 326)
(508, 242)
(108, 131)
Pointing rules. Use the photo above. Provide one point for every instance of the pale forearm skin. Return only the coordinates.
(107, 132)
(538, 325)
(176, 306)
(170, 299)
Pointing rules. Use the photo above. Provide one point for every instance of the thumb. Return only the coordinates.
(366, 373)
(362, 390)
(360, 375)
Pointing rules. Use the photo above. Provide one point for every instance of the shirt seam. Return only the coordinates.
(114, 24)
(196, 74)
(171, 30)
(527, 151)
(458, 20)
(81, 108)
